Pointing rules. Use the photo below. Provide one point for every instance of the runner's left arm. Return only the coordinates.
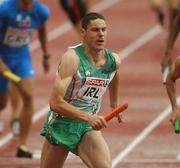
(114, 87)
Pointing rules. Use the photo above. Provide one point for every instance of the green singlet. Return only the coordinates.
(85, 93)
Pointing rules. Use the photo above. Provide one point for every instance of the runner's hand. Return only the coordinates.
(3, 67)
(120, 118)
(97, 122)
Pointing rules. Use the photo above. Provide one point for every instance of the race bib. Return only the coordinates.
(17, 38)
(93, 89)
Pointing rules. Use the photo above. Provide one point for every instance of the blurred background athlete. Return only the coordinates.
(18, 19)
(76, 10)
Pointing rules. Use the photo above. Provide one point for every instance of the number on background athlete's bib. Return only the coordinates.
(17, 38)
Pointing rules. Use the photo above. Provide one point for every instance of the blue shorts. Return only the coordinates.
(20, 64)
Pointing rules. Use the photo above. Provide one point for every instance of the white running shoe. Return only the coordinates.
(15, 126)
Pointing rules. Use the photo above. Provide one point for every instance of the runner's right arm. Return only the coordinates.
(67, 68)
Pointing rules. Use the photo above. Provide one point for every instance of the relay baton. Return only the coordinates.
(11, 76)
(177, 125)
(116, 111)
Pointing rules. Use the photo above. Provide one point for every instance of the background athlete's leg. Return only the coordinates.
(3, 99)
(15, 101)
(3, 102)
(53, 156)
(94, 151)
(157, 6)
(26, 87)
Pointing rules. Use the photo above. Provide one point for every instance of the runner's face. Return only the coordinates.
(95, 34)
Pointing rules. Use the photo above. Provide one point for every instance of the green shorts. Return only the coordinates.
(63, 131)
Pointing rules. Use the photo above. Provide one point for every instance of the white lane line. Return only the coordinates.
(56, 33)
(103, 5)
(143, 135)
(148, 36)
(5, 139)
(151, 160)
(40, 113)
(178, 157)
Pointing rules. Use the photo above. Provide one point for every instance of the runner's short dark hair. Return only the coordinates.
(90, 16)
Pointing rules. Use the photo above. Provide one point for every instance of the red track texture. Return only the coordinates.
(141, 86)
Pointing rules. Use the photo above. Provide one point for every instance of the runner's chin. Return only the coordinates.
(100, 45)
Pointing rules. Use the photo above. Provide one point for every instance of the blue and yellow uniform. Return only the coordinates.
(16, 27)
